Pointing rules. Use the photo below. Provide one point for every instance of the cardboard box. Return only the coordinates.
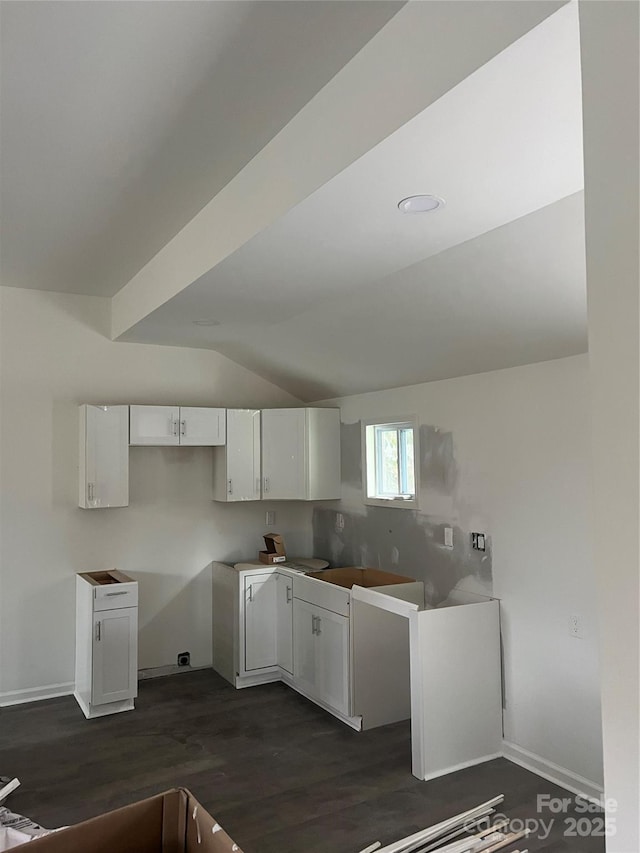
(173, 822)
(275, 552)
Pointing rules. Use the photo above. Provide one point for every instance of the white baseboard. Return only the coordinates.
(553, 772)
(463, 766)
(35, 694)
(170, 669)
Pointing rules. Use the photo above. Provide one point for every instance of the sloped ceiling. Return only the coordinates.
(120, 121)
(336, 291)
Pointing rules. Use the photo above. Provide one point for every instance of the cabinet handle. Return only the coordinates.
(230, 490)
(313, 624)
(110, 594)
(318, 631)
(266, 484)
(250, 592)
(183, 427)
(288, 595)
(98, 632)
(173, 427)
(89, 488)
(257, 485)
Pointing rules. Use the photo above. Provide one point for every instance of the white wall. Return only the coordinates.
(611, 100)
(522, 449)
(53, 356)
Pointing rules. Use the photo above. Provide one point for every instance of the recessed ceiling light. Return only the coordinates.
(206, 322)
(420, 203)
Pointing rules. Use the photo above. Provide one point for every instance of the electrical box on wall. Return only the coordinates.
(478, 541)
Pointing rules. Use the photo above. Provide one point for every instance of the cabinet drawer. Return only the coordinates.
(114, 596)
(322, 594)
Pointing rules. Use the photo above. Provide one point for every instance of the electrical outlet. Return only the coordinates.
(478, 541)
(339, 521)
(575, 627)
(184, 659)
(448, 537)
(270, 518)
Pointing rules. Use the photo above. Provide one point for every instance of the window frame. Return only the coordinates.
(371, 462)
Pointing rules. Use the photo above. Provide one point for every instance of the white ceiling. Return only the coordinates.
(345, 294)
(120, 121)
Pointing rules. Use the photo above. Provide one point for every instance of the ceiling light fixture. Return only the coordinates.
(420, 204)
(206, 322)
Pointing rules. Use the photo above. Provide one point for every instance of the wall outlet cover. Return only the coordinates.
(270, 518)
(448, 537)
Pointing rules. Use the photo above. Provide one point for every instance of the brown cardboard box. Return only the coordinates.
(173, 822)
(275, 552)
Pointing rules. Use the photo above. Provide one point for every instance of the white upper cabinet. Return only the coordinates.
(172, 425)
(202, 426)
(154, 425)
(301, 454)
(283, 474)
(104, 457)
(236, 466)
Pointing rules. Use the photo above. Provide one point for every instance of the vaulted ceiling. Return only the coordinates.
(241, 163)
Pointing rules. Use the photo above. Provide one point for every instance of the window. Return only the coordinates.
(390, 463)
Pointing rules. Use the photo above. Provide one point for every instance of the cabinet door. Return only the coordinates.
(332, 660)
(243, 455)
(321, 654)
(115, 655)
(202, 427)
(104, 456)
(154, 425)
(260, 621)
(305, 649)
(283, 454)
(285, 623)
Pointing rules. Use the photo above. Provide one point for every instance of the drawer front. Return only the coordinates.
(114, 596)
(322, 594)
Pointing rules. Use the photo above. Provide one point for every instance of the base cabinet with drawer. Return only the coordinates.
(106, 643)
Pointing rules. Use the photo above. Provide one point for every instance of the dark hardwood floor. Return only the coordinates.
(276, 771)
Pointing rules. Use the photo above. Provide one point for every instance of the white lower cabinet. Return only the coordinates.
(321, 654)
(263, 631)
(285, 623)
(115, 671)
(106, 643)
(260, 621)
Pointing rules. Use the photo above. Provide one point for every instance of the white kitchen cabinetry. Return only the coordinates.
(321, 655)
(284, 638)
(106, 643)
(104, 456)
(301, 454)
(176, 425)
(236, 466)
(260, 622)
(252, 609)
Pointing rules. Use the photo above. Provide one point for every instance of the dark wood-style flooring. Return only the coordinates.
(276, 771)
